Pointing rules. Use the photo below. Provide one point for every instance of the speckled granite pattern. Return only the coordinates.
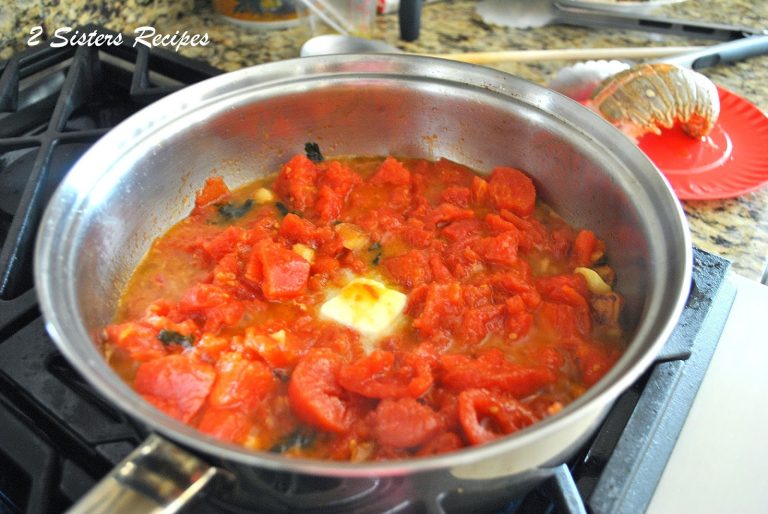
(734, 228)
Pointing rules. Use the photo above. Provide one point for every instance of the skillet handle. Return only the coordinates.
(157, 477)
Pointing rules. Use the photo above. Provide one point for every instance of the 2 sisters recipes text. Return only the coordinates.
(144, 35)
(367, 309)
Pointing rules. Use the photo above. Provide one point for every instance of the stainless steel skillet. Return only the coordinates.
(139, 179)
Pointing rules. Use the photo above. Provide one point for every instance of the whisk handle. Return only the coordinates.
(722, 53)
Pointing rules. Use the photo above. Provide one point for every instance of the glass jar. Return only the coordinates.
(262, 14)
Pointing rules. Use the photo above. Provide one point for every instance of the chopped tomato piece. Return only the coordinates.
(223, 243)
(458, 196)
(296, 182)
(492, 370)
(382, 374)
(213, 189)
(451, 173)
(440, 273)
(177, 384)
(584, 246)
(550, 357)
(485, 417)
(381, 221)
(512, 282)
(416, 235)
(342, 341)
(478, 322)
(512, 189)
(353, 262)
(594, 362)
(400, 198)
(241, 382)
(329, 204)
(442, 304)
(462, 229)
(325, 264)
(479, 190)
(160, 307)
(225, 424)
(404, 423)
(420, 202)
(340, 178)
(519, 320)
(481, 316)
(315, 393)
(477, 295)
(226, 271)
(560, 242)
(462, 260)
(410, 269)
(299, 230)
(501, 249)
(392, 172)
(559, 319)
(532, 232)
(278, 349)
(224, 315)
(517, 284)
(253, 271)
(139, 341)
(572, 292)
(560, 288)
(285, 273)
(201, 297)
(212, 303)
(441, 443)
(210, 347)
(183, 332)
(498, 224)
(446, 212)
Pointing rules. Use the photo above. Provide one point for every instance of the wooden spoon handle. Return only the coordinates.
(567, 54)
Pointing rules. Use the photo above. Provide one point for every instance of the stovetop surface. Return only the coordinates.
(58, 436)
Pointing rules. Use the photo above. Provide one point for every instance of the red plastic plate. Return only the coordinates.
(731, 161)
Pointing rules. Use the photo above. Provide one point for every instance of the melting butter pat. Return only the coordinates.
(365, 305)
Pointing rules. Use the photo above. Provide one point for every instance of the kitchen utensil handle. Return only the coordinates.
(568, 54)
(157, 477)
(409, 19)
(722, 53)
(603, 19)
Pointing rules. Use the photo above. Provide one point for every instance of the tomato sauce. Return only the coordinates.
(510, 311)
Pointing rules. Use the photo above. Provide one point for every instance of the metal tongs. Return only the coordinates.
(568, 14)
(536, 13)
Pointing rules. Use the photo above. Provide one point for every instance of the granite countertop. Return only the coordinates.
(734, 228)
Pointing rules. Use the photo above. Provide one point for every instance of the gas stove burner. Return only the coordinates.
(59, 437)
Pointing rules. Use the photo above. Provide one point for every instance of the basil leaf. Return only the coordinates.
(172, 337)
(283, 210)
(232, 211)
(298, 439)
(313, 152)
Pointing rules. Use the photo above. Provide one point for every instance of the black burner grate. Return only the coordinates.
(58, 436)
(55, 103)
